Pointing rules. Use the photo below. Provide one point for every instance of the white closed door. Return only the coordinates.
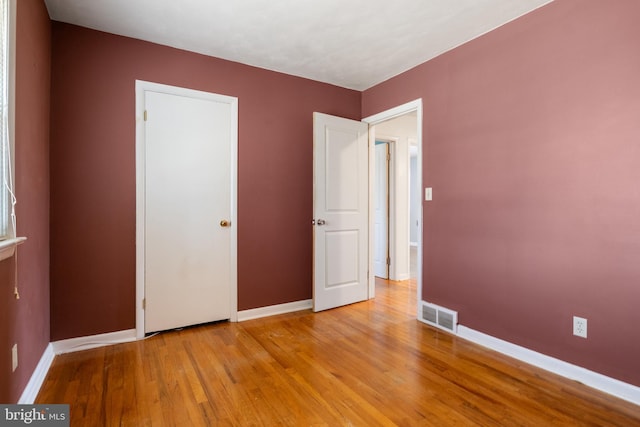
(188, 207)
(341, 206)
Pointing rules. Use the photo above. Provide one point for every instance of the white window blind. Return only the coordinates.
(6, 194)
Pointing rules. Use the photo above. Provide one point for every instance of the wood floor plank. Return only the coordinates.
(366, 364)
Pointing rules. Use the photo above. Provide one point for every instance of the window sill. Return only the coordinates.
(8, 247)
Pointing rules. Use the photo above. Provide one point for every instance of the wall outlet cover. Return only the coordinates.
(14, 357)
(579, 326)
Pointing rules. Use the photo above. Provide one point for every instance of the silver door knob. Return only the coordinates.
(321, 222)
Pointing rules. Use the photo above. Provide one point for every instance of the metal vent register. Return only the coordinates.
(439, 317)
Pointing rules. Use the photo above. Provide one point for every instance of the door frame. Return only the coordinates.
(409, 107)
(140, 88)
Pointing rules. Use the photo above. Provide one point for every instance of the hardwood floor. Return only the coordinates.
(366, 364)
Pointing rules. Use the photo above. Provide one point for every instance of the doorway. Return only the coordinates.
(402, 128)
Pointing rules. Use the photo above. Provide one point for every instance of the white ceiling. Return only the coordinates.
(350, 43)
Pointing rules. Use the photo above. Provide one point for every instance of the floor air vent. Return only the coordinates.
(439, 317)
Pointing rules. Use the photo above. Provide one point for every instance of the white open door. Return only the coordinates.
(381, 211)
(188, 200)
(341, 211)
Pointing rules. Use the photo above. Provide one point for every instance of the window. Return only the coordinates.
(6, 193)
(8, 239)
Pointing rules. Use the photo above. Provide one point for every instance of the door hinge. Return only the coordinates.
(144, 303)
(388, 155)
(388, 260)
(145, 115)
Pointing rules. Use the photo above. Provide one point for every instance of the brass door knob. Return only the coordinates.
(224, 223)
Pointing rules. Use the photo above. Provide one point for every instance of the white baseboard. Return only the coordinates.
(592, 379)
(272, 310)
(93, 341)
(32, 389)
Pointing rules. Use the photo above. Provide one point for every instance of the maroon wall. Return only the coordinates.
(93, 173)
(531, 143)
(26, 321)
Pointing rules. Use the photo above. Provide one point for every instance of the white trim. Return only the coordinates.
(415, 105)
(272, 310)
(93, 341)
(38, 376)
(8, 247)
(400, 110)
(140, 88)
(140, 209)
(371, 271)
(592, 379)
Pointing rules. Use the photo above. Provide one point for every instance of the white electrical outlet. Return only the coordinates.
(14, 357)
(579, 327)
